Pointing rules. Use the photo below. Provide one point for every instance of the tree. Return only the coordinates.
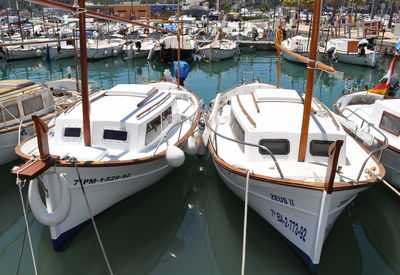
(354, 4)
(226, 7)
(265, 7)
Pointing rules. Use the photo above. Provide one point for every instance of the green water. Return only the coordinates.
(190, 223)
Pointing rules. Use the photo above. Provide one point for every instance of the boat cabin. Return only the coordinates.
(132, 119)
(20, 99)
(252, 118)
(385, 115)
(344, 45)
(298, 43)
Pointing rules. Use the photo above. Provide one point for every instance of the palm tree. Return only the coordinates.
(355, 4)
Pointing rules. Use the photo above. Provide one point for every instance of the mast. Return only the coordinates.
(310, 81)
(84, 74)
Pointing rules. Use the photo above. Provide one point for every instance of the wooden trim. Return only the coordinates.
(63, 163)
(388, 130)
(334, 152)
(30, 99)
(319, 186)
(154, 105)
(255, 102)
(147, 98)
(328, 112)
(245, 112)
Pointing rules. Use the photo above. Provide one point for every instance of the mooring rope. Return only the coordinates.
(23, 242)
(390, 186)
(19, 183)
(74, 160)
(246, 200)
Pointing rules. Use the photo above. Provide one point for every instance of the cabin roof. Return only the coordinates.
(120, 104)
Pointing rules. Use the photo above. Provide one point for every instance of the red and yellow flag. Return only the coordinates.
(381, 89)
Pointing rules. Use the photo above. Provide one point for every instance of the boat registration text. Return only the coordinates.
(291, 225)
(102, 179)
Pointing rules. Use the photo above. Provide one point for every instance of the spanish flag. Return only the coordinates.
(381, 89)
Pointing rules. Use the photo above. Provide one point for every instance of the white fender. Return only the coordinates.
(115, 52)
(191, 146)
(175, 156)
(39, 210)
(38, 53)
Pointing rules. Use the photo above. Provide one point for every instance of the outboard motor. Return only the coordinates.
(330, 52)
(138, 45)
(361, 47)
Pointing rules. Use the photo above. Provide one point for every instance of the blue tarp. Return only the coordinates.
(184, 69)
(170, 27)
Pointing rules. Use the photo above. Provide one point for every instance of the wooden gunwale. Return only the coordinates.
(63, 163)
(337, 186)
(328, 112)
(245, 112)
(319, 186)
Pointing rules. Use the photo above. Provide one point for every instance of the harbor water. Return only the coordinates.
(190, 222)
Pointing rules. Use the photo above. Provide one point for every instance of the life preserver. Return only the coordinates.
(40, 211)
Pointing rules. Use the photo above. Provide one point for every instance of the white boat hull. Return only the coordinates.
(293, 212)
(53, 54)
(104, 52)
(104, 186)
(367, 60)
(19, 54)
(215, 54)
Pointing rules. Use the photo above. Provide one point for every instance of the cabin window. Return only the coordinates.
(73, 132)
(32, 104)
(276, 146)
(390, 123)
(118, 135)
(153, 129)
(10, 112)
(320, 147)
(166, 117)
(237, 130)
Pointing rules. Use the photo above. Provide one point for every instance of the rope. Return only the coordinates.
(73, 160)
(19, 183)
(23, 241)
(390, 186)
(246, 200)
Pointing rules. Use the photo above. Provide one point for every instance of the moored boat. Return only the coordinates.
(218, 50)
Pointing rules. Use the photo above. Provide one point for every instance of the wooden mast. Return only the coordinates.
(310, 81)
(84, 74)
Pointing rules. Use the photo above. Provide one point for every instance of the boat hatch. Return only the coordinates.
(131, 90)
(285, 95)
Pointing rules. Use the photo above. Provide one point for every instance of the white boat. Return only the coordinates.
(218, 50)
(135, 134)
(297, 44)
(25, 51)
(64, 49)
(139, 49)
(373, 119)
(97, 49)
(253, 134)
(353, 51)
(19, 100)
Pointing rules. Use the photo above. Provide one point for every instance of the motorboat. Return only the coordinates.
(136, 130)
(218, 50)
(19, 100)
(353, 51)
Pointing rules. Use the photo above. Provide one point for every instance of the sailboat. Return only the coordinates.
(287, 155)
(90, 161)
